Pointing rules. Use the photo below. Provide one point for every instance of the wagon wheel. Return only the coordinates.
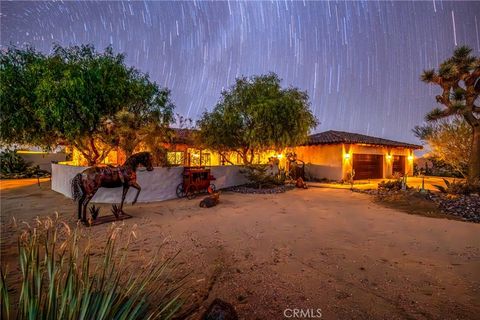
(211, 188)
(180, 192)
(191, 192)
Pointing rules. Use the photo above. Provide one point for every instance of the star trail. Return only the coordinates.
(359, 61)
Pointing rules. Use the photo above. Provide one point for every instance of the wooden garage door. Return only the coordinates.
(368, 166)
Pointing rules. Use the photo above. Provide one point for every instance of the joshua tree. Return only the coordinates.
(458, 77)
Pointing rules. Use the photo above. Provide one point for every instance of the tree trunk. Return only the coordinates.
(474, 167)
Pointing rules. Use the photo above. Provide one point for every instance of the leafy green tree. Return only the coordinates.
(256, 114)
(458, 78)
(69, 96)
(20, 73)
(450, 141)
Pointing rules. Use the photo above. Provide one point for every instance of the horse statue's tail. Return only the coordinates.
(77, 191)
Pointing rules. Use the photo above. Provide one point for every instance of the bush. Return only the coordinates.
(458, 187)
(260, 176)
(14, 166)
(394, 185)
(11, 162)
(58, 282)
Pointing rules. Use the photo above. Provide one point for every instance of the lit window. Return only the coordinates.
(175, 158)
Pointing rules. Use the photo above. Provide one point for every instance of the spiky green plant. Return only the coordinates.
(60, 281)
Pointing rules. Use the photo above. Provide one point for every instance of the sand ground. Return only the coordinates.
(327, 249)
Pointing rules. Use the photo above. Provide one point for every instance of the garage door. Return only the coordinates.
(398, 164)
(368, 166)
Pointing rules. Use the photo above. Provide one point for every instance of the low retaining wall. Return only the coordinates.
(157, 185)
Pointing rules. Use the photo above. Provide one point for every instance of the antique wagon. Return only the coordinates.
(195, 180)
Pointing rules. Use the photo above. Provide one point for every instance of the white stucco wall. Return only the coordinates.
(157, 185)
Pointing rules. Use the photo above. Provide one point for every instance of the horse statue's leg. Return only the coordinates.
(80, 206)
(85, 205)
(124, 194)
(135, 185)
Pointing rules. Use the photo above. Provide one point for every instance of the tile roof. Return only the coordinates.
(335, 137)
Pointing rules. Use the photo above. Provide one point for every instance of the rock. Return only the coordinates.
(466, 207)
(220, 310)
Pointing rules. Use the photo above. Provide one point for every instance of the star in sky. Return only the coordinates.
(359, 61)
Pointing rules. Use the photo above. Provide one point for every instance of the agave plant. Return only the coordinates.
(58, 281)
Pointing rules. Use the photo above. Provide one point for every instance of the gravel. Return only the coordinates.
(249, 189)
(466, 207)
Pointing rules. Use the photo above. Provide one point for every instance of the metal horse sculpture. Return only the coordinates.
(87, 183)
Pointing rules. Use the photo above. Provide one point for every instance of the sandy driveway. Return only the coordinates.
(325, 249)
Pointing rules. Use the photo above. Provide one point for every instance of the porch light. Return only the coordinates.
(410, 157)
(389, 157)
(346, 156)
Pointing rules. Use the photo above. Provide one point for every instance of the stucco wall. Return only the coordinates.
(321, 161)
(157, 185)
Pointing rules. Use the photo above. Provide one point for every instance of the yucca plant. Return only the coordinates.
(60, 281)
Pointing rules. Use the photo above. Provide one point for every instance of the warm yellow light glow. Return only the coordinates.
(346, 156)
(31, 152)
(389, 157)
(279, 156)
(410, 157)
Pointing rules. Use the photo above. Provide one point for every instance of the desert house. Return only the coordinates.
(331, 155)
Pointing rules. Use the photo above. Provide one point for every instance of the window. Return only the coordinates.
(175, 158)
(206, 159)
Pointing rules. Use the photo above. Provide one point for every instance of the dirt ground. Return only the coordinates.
(328, 249)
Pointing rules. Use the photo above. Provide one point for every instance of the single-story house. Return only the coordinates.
(335, 155)
(332, 155)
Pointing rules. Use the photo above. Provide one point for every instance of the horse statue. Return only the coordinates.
(86, 184)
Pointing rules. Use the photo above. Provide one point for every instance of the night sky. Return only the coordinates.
(359, 61)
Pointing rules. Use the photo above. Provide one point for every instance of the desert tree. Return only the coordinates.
(257, 114)
(72, 96)
(450, 142)
(458, 78)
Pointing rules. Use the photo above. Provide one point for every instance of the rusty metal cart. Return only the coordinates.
(195, 180)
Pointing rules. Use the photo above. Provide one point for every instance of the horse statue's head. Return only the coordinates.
(142, 158)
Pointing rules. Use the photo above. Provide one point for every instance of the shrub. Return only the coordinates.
(14, 166)
(394, 185)
(11, 162)
(457, 187)
(58, 282)
(261, 177)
